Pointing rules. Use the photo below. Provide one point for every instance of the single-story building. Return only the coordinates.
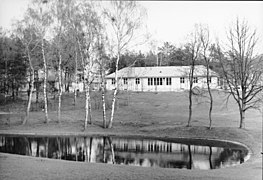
(161, 78)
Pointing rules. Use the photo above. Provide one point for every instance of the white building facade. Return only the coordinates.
(161, 78)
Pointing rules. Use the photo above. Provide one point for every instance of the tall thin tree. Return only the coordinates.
(125, 18)
(205, 43)
(194, 48)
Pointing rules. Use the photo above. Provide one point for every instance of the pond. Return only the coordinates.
(175, 153)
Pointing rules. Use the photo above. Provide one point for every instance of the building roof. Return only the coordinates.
(161, 71)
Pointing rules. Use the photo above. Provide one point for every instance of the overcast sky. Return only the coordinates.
(172, 20)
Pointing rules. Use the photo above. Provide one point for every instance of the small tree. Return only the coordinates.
(194, 48)
(205, 43)
(242, 70)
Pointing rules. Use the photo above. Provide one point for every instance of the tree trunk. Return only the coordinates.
(210, 95)
(65, 81)
(37, 90)
(242, 119)
(45, 80)
(190, 108)
(115, 92)
(59, 88)
(6, 80)
(86, 105)
(76, 78)
(190, 95)
(104, 104)
(32, 77)
(90, 115)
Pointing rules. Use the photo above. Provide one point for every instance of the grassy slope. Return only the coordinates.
(147, 114)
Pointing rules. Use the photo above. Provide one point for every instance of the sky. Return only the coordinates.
(172, 21)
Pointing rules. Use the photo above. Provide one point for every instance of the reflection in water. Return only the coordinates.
(137, 152)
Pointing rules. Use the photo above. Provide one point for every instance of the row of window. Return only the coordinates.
(195, 80)
(125, 81)
(159, 81)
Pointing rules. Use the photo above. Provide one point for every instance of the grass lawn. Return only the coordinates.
(142, 114)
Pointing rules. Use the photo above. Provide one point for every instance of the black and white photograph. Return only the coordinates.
(124, 89)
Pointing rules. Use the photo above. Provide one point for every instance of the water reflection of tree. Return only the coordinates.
(119, 151)
(210, 157)
(229, 156)
(190, 158)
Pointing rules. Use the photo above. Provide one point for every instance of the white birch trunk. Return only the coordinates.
(59, 87)
(90, 115)
(86, 106)
(76, 78)
(103, 99)
(45, 80)
(32, 78)
(115, 93)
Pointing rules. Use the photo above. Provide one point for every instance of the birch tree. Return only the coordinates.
(72, 33)
(102, 62)
(85, 23)
(194, 49)
(242, 69)
(125, 18)
(38, 11)
(58, 14)
(205, 43)
(26, 32)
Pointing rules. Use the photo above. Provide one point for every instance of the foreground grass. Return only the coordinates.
(161, 115)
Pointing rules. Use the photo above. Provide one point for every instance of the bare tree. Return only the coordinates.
(26, 32)
(41, 18)
(205, 43)
(102, 61)
(125, 18)
(194, 48)
(58, 12)
(242, 70)
(85, 24)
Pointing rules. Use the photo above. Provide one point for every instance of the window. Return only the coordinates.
(125, 80)
(137, 81)
(195, 80)
(150, 81)
(168, 81)
(182, 80)
(113, 81)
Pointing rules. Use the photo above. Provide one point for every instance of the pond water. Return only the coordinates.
(187, 154)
